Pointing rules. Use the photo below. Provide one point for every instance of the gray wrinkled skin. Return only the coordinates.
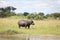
(25, 23)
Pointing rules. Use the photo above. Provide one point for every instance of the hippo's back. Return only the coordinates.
(22, 22)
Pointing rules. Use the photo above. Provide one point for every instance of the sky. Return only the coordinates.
(45, 6)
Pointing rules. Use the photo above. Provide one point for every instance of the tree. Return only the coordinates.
(2, 10)
(25, 13)
(56, 15)
(53, 15)
(31, 16)
(35, 17)
(48, 16)
(10, 9)
(38, 17)
(41, 13)
(7, 11)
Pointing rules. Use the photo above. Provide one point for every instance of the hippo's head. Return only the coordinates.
(32, 22)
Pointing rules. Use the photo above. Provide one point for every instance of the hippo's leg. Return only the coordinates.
(28, 26)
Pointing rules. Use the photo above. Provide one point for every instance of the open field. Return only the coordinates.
(9, 26)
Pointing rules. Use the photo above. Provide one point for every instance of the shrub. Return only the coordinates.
(35, 17)
(31, 16)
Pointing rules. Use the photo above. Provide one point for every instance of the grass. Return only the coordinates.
(9, 26)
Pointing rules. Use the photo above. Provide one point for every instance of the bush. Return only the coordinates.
(31, 16)
(35, 17)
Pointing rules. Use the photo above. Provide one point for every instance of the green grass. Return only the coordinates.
(17, 17)
(9, 26)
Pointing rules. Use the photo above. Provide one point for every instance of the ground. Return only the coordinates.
(10, 26)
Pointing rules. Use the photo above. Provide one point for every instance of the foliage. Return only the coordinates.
(35, 16)
(38, 17)
(25, 13)
(54, 15)
(41, 13)
(31, 16)
(7, 11)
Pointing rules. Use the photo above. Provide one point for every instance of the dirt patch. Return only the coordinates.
(29, 35)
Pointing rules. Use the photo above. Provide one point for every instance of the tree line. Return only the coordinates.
(9, 11)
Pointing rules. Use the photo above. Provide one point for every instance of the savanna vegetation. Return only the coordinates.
(44, 24)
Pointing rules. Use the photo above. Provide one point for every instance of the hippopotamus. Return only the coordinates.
(25, 23)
